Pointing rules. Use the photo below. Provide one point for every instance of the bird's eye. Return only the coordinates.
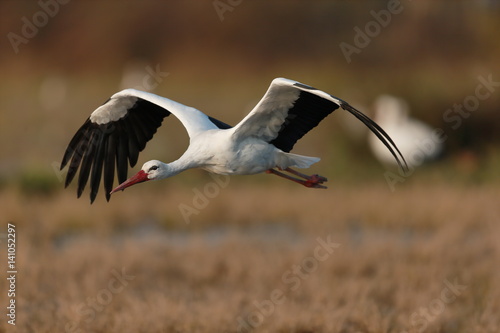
(154, 167)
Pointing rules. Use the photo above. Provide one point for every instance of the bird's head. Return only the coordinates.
(151, 170)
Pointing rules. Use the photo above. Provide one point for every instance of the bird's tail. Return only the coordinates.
(293, 160)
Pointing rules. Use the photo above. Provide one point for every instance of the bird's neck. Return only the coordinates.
(174, 168)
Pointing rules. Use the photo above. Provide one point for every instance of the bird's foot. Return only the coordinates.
(313, 181)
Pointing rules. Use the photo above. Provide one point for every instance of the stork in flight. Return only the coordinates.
(117, 131)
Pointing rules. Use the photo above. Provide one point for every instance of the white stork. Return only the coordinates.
(117, 131)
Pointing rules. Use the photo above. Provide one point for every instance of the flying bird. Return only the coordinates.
(114, 134)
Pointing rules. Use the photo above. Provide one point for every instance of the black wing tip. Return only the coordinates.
(120, 147)
(380, 133)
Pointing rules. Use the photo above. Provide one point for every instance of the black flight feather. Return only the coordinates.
(306, 113)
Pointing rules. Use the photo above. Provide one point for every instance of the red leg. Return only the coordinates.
(314, 181)
(314, 178)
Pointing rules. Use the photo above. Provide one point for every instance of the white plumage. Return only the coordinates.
(117, 131)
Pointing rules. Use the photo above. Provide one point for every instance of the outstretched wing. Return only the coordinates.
(290, 109)
(114, 134)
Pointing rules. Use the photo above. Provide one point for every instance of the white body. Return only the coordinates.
(217, 151)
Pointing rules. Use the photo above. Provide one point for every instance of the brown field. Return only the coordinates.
(422, 258)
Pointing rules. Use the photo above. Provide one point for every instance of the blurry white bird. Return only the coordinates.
(117, 131)
(416, 140)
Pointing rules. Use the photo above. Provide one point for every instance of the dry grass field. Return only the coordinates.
(268, 258)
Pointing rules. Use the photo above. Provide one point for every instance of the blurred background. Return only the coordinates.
(221, 59)
(60, 60)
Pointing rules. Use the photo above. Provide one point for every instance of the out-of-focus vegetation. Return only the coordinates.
(395, 254)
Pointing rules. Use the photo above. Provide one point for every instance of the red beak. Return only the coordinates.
(140, 177)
